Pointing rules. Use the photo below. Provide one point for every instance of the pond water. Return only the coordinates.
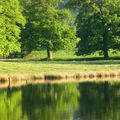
(84, 101)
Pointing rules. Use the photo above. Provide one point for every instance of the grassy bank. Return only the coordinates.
(64, 61)
(23, 66)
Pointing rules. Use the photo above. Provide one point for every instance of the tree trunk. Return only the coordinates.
(105, 46)
(49, 54)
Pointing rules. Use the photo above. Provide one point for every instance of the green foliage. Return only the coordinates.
(48, 26)
(98, 25)
(11, 21)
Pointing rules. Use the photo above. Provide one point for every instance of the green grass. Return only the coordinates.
(22, 66)
(64, 55)
(64, 61)
(36, 55)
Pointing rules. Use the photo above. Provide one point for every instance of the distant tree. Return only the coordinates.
(11, 22)
(98, 25)
(49, 27)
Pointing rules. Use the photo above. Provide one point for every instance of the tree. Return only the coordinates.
(51, 27)
(98, 26)
(28, 35)
(11, 21)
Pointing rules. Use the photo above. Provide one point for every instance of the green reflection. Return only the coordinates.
(39, 102)
(50, 102)
(99, 101)
(10, 104)
(85, 101)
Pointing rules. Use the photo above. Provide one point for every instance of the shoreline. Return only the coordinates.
(19, 79)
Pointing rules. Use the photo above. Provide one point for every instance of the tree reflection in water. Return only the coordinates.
(39, 102)
(99, 101)
(50, 102)
(10, 104)
(85, 101)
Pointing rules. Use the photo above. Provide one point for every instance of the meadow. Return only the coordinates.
(64, 61)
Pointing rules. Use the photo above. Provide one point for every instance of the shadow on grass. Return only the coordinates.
(90, 61)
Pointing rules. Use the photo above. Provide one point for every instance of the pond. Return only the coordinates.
(76, 101)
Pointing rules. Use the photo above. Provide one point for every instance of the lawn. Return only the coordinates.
(64, 61)
(21, 66)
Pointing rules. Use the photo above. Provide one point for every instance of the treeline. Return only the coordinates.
(89, 25)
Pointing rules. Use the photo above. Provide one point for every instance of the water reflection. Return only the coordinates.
(85, 101)
(50, 102)
(99, 101)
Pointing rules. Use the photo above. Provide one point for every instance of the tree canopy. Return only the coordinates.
(50, 26)
(98, 25)
(27, 25)
(11, 22)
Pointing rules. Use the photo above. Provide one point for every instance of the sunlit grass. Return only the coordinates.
(64, 55)
(22, 66)
(64, 61)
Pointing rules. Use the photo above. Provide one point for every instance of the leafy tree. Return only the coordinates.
(11, 21)
(98, 25)
(49, 25)
(28, 34)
